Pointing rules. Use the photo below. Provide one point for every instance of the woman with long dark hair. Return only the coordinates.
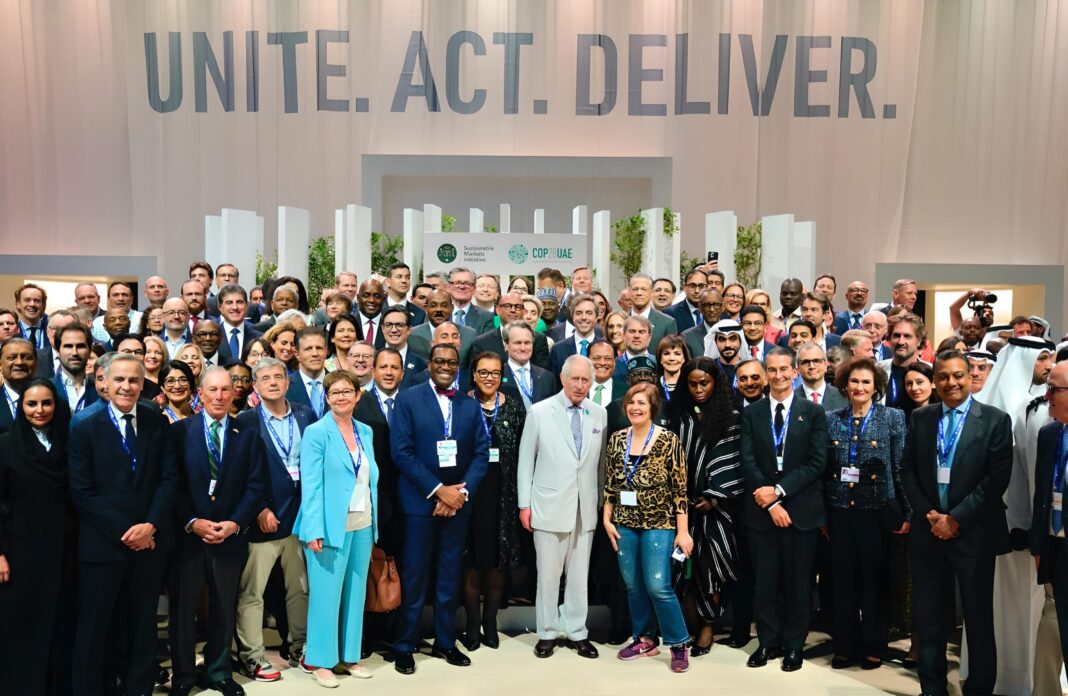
(37, 545)
(710, 432)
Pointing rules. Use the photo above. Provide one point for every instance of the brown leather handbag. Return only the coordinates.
(383, 583)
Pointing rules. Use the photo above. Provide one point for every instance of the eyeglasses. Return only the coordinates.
(1050, 389)
(176, 382)
(811, 361)
(344, 393)
(708, 305)
(462, 283)
(238, 379)
(733, 296)
(137, 351)
(394, 325)
(484, 374)
(176, 313)
(696, 286)
(207, 334)
(361, 358)
(515, 307)
(445, 362)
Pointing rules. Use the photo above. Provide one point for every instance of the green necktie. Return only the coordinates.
(216, 443)
(597, 394)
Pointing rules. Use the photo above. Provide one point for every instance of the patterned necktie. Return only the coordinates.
(576, 427)
(697, 317)
(389, 410)
(856, 321)
(235, 347)
(943, 488)
(597, 392)
(458, 317)
(754, 350)
(584, 347)
(216, 443)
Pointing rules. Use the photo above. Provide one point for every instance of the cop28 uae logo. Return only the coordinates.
(518, 253)
(446, 253)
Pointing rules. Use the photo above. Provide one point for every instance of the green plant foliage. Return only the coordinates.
(491, 229)
(447, 223)
(671, 223)
(265, 268)
(628, 239)
(687, 263)
(385, 251)
(748, 244)
(320, 268)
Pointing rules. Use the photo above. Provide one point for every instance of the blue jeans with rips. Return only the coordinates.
(645, 562)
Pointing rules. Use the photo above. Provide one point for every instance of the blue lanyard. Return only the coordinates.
(529, 393)
(667, 392)
(780, 435)
(12, 404)
(122, 438)
(855, 439)
(893, 388)
(170, 412)
(633, 468)
(357, 461)
(448, 423)
(946, 446)
(212, 452)
(290, 418)
(493, 418)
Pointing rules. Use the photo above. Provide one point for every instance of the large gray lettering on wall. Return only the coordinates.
(512, 41)
(452, 72)
(761, 99)
(583, 75)
(288, 40)
(324, 69)
(682, 73)
(252, 71)
(803, 76)
(636, 75)
(204, 61)
(406, 87)
(174, 60)
(857, 81)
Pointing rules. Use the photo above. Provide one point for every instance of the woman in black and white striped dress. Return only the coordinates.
(709, 429)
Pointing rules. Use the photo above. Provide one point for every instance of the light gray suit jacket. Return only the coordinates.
(555, 481)
(421, 337)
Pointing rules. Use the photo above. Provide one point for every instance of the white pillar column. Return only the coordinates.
(242, 235)
(721, 233)
(431, 218)
(213, 240)
(600, 249)
(775, 251)
(506, 219)
(477, 220)
(413, 242)
(294, 234)
(356, 230)
(580, 219)
(654, 248)
(802, 263)
(339, 240)
(539, 221)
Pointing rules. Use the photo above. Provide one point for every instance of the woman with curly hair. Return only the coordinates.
(710, 432)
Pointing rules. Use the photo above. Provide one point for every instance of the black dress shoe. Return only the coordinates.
(583, 647)
(227, 687)
(759, 658)
(491, 641)
(544, 648)
(791, 661)
(700, 650)
(471, 641)
(739, 641)
(842, 662)
(454, 657)
(404, 663)
(182, 688)
(366, 651)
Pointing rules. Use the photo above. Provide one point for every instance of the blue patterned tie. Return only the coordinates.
(697, 318)
(458, 317)
(576, 427)
(584, 347)
(943, 488)
(389, 410)
(856, 321)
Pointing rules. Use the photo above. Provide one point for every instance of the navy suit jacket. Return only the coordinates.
(380, 339)
(7, 422)
(239, 493)
(682, 315)
(841, 321)
(250, 333)
(109, 494)
(297, 394)
(564, 349)
(280, 493)
(414, 365)
(544, 382)
(89, 396)
(414, 433)
(1045, 464)
(493, 342)
(418, 316)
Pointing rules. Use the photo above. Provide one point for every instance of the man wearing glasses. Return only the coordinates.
(710, 305)
(812, 364)
(132, 344)
(442, 454)
(853, 316)
(176, 331)
(465, 313)
(509, 309)
(396, 325)
(688, 312)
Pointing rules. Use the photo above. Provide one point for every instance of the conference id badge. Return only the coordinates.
(678, 554)
(294, 474)
(211, 486)
(358, 501)
(495, 455)
(778, 463)
(851, 474)
(629, 498)
(943, 474)
(1056, 500)
(447, 453)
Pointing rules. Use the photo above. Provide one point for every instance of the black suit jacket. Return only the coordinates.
(239, 493)
(564, 349)
(493, 342)
(369, 412)
(111, 497)
(1045, 464)
(804, 463)
(418, 316)
(280, 493)
(982, 465)
(544, 382)
(680, 311)
(380, 339)
(414, 365)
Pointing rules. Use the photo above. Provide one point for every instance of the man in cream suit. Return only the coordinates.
(559, 465)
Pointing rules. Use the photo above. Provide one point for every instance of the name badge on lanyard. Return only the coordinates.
(630, 497)
(945, 445)
(779, 436)
(447, 452)
(494, 452)
(358, 501)
(851, 473)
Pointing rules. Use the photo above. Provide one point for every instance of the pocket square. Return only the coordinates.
(596, 430)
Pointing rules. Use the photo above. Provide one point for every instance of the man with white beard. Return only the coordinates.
(1018, 376)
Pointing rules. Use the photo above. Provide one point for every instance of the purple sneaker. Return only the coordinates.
(642, 647)
(679, 660)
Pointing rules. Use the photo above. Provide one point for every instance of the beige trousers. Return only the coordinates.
(261, 558)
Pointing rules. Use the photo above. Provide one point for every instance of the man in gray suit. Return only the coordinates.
(812, 364)
(710, 303)
(641, 295)
(559, 477)
(438, 311)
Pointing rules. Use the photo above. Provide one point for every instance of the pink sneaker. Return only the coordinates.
(642, 647)
(680, 662)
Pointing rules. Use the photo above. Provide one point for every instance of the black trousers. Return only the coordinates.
(860, 562)
(935, 565)
(131, 585)
(199, 565)
(1057, 562)
(740, 591)
(782, 564)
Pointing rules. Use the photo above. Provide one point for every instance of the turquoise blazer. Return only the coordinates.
(327, 481)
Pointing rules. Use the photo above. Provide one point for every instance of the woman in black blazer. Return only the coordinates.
(37, 551)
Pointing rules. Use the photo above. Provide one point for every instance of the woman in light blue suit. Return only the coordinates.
(338, 522)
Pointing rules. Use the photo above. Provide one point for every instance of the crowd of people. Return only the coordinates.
(694, 458)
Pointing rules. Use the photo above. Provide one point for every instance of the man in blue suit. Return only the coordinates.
(754, 322)
(220, 464)
(853, 315)
(584, 319)
(123, 486)
(521, 379)
(237, 331)
(306, 384)
(442, 452)
(73, 386)
(280, 426)
(398, 282)
(687, 312)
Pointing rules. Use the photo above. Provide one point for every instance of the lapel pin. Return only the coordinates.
(800, 417)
